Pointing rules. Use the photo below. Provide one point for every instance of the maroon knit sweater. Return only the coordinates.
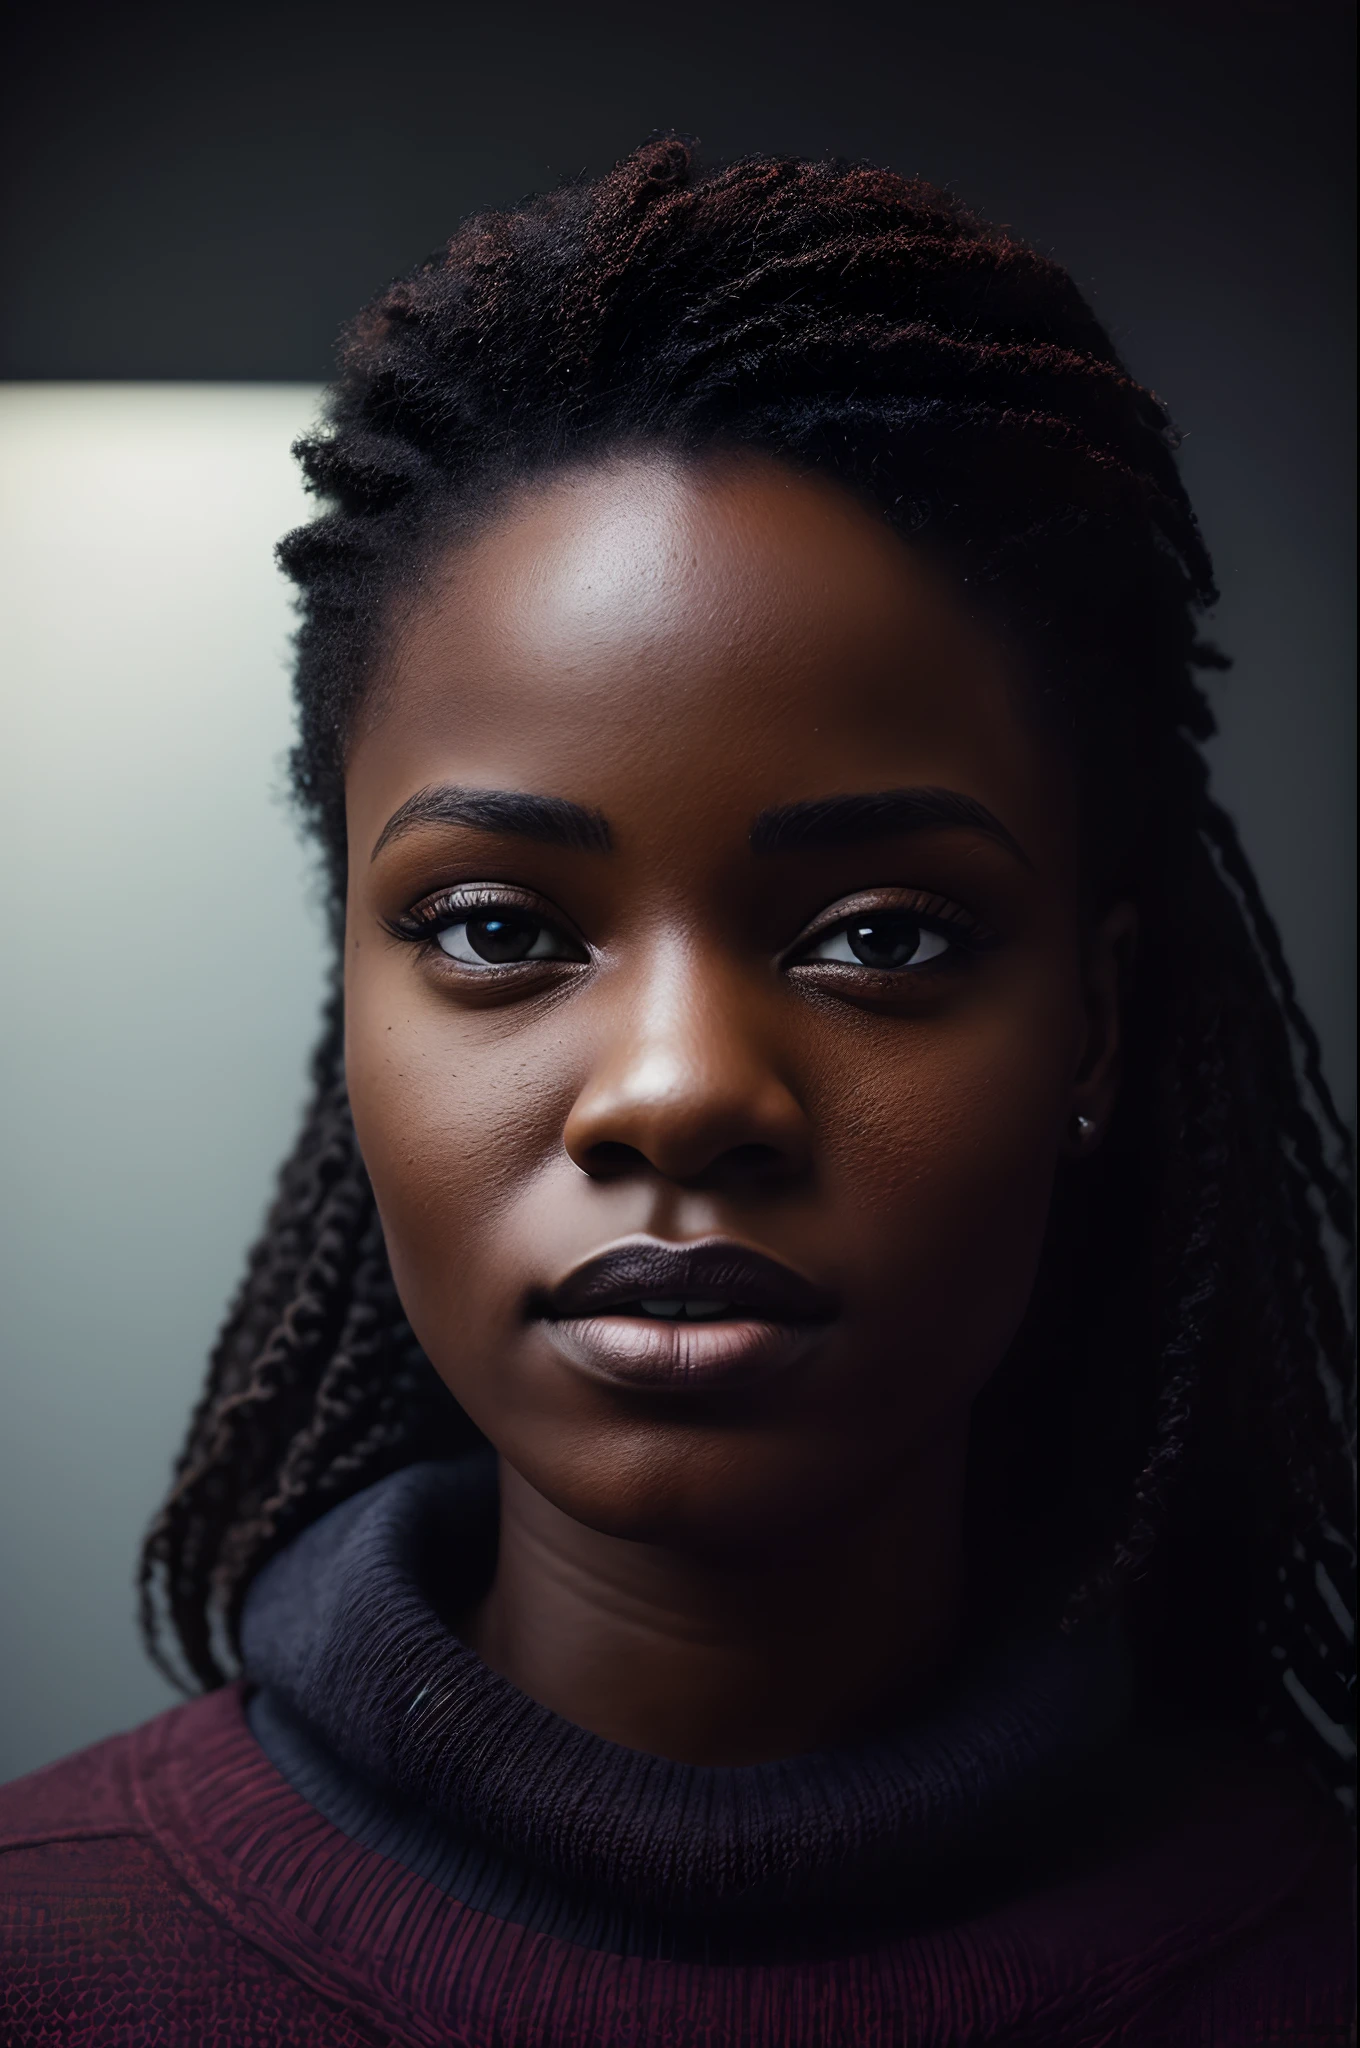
(484, 1875)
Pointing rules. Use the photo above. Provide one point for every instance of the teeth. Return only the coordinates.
(685, 1311)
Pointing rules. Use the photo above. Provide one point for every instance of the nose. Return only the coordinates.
(685, 1087)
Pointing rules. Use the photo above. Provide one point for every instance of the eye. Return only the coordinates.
(502, 938)
(879, 939)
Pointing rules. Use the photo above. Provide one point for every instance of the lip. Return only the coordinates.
(712, 1268)
(777, 1314)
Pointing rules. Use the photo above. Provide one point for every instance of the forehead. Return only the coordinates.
(669, 634)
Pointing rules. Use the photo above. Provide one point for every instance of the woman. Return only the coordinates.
(776, 1473)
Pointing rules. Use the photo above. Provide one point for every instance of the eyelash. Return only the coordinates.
(938, 914)
(422, 924)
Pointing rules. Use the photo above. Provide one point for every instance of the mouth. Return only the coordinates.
(700, 1315)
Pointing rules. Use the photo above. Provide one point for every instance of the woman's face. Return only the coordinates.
(717, 995)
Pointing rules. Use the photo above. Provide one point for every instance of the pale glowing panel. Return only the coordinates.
(162, 974)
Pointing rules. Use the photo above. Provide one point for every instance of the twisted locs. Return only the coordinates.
(1185, 1374)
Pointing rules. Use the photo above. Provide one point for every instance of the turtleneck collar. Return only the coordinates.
(400, 1735)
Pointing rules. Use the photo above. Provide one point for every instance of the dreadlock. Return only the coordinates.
(1183, 1377)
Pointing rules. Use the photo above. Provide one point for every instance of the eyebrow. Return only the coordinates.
(824, 821)
(553, 820)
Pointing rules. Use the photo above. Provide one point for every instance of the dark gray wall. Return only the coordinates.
(198, 191)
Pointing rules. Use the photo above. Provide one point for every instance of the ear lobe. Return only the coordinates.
(1107, 978)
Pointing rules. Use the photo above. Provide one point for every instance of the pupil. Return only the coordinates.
(502, 938)
(887, 942)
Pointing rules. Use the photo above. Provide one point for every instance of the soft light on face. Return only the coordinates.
(630, 965)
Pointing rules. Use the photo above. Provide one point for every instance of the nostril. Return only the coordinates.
(612, 1160)
(609, 1160)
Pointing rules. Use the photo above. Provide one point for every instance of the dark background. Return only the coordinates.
(203, 192)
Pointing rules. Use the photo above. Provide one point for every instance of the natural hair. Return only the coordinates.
(1174, 1424)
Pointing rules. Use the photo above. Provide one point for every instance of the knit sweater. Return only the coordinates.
(375, 1839)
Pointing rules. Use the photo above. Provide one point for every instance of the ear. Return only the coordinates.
(1106, 977)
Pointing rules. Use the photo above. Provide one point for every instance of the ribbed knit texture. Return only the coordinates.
(343, 1634)
(172, 1889)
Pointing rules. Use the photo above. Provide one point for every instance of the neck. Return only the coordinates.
(731, 1659)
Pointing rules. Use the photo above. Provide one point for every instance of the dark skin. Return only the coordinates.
(689, 1047)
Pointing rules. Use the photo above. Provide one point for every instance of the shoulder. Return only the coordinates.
(88, 1796)
(79, 1867)
(108, 1790)
(99, 1934)
(1286, 1979)
(1230, 1900)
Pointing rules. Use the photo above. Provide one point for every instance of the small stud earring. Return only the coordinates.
(1083, 1128)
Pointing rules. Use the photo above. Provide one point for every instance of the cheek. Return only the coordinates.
(452, 1127)
(943, 1147)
